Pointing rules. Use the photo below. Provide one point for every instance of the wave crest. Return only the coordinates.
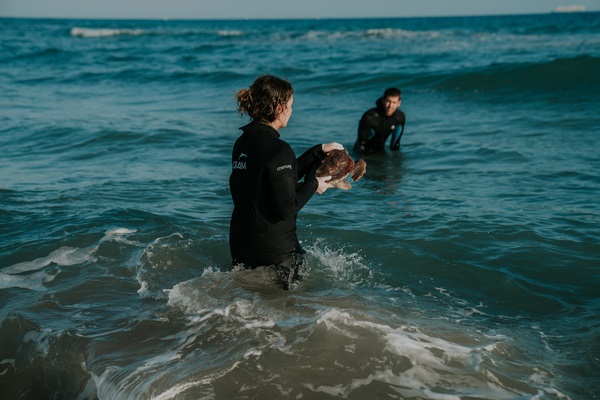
(104, 32)
(577, 74)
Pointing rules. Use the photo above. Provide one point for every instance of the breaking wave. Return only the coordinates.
(570, 74)
(105, 32)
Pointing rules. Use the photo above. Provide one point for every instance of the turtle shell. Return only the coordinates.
(337, 163)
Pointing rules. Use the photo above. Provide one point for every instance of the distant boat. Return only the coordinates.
(569, 9)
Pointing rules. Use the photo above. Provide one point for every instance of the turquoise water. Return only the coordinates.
(465, 266)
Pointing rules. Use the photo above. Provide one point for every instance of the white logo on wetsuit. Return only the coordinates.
(393, 127)
(240, 164)
(288, 166)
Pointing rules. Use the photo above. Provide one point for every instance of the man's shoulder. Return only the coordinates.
(399, 115)
(371, 113)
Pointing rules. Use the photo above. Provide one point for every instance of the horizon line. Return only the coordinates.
(165, 18)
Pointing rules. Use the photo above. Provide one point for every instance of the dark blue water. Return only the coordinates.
(465, 266)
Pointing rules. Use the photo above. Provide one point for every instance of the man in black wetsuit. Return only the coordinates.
(377, 124)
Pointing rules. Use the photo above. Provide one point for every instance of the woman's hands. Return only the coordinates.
(324, 180)
(327, 147)
(323, 183)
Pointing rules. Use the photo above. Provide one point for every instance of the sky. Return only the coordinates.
(267, 9)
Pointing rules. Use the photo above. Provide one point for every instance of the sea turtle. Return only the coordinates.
(339, 165)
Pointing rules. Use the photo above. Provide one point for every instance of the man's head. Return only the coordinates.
(392, 97)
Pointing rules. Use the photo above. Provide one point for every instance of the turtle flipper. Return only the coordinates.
(341, 184)
(360, 167)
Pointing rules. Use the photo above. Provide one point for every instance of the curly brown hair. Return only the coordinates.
(260, 101)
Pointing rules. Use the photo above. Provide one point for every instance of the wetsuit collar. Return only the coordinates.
(380, 106)
(257, 125)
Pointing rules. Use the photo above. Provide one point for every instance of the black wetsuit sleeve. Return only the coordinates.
(306, 162)
(288, 197)
(397, 134)
(364, 126)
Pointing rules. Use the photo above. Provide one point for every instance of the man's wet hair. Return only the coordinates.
(392, 92)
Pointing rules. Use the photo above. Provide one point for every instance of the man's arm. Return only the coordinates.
(365, 132)
(397, 134)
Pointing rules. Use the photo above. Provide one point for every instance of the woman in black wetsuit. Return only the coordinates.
(264, 182)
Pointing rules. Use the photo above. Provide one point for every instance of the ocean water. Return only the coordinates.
(464, 266)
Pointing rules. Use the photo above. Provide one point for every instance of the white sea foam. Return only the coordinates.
(19, 275)
(380, 33)
(173, 392)
(118, 383)
(400, 33)
(230, 33)
(41, 340)
(9, 362)
(120, 231)
(434, 363)
(121, 383)
(346, 268)
(191, 299)
(119, 235)
(104, 32)
(64, 256)
(150, 261)
(570, 8)
(176, 390)
(90, 390)
(543, 379)
(34, 281)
